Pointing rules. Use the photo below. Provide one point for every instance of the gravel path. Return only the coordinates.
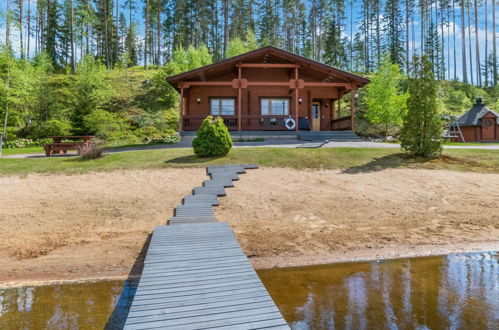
(269, 143)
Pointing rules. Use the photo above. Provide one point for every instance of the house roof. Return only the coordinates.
(476, 113)
(271, 54)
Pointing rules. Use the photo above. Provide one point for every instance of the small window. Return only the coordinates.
(222, 107)
(275, 107)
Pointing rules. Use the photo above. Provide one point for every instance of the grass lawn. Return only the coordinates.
(470, 144)
(351, 160)
(19, 151)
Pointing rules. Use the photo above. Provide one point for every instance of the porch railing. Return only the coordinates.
(248, 122)
(193, 122)
(343, 123)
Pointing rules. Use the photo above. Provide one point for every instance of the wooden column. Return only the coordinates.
(296, 98)
(339, 106)
(331, 114)
(181, 110)
(239, 75)
(352, 109)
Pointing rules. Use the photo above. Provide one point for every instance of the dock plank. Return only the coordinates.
(195, 273)
(191, 290)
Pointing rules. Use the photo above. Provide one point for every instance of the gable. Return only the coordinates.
(269, 55)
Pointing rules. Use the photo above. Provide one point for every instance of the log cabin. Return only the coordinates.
(264, 89)
(479, 124)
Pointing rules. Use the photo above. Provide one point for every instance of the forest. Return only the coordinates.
(99, 66)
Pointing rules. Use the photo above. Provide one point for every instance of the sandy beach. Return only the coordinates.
(94, 226)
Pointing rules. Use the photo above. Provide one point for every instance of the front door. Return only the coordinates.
(488, 128)
(316, 116)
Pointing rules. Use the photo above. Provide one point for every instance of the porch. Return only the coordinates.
(260, 123)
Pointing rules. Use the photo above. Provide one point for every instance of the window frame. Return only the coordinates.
(220, 99)
(270, 99)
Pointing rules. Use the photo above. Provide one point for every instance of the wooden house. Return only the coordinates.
(479, 124)
(264, 89)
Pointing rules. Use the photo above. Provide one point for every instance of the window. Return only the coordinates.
(276, 107)
(223, 107)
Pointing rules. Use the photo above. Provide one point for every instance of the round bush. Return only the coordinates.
(212, 138)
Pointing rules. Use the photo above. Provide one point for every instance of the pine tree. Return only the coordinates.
(394, 33)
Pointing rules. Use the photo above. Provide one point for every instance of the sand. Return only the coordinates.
(91, 226)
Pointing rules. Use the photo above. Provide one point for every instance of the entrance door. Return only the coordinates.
(488, 128)
(316, 116)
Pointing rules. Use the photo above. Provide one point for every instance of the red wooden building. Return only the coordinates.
(479, 124)
(261, 89)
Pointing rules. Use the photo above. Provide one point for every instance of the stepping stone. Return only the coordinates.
(227, 168)
(213, 191)
(188, 220)
(224, 176)
(201, 199)
(227, 183)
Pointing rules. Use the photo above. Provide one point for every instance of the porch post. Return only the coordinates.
(296, 98)
(181, 110)
(339, 106)
(352, 109)
(239, 99)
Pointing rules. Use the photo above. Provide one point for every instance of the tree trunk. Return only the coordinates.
(71, 37)
(486, 59)
(117, 34)
(226, 26)
(106, 33)
(463, 43)
(28, 36)
(407, 59)
(351, 35)
(422, 26)
(158, 46)
(146, 40)
(454, 37)
(469, 45)
(477, 46)
(21, 27)
(494, 41)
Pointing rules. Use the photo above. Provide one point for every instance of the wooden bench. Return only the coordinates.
(60, 147)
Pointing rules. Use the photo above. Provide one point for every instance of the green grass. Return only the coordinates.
(350, 160)
(469, 144)
(20, 151)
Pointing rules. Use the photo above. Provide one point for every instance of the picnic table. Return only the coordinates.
(62, 144)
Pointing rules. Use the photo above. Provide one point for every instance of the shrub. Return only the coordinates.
(25, 143)
(421, 133)
(91, 151)
(52, 128)
(105, 125)
(212, 138)
(171, 138)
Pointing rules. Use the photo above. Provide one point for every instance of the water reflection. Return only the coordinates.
(448, 292)
(69, 306)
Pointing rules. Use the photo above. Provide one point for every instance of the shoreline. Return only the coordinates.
(369, 255)
(366, 255)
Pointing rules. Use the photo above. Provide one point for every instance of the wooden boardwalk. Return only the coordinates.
(195, 274)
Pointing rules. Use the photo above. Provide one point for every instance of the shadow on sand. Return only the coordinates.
(390, 161)
(119, 315)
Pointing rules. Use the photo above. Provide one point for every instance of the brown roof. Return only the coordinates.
(271, 55)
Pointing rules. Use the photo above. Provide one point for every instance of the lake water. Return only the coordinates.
(447, 292)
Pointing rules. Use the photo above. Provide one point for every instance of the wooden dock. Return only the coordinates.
(195, 274)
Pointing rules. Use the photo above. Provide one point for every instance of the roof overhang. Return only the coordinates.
(330, 73)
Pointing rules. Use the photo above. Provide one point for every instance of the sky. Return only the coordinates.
(356, 17)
